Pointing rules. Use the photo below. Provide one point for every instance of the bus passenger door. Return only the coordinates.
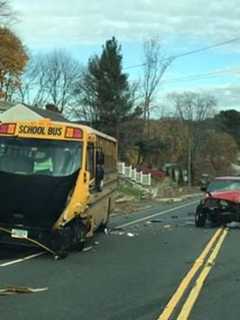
(91, 164)
(97, 206)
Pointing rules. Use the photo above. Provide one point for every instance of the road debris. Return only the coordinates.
(167, 226)
(106, 231)
(117, 232)
(121, 232)
(156, 220)
(96, 243)
(233, 225)
(20, 290)
(87, 249)
(130, 234)
(148, 222)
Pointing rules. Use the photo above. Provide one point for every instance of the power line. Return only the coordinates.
(220, 44)
(216, 45)
(202, 76)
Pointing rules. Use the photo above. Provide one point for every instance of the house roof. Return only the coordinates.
(54, 116)
(25, 112)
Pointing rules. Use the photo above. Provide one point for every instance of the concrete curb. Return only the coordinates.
(179, 199)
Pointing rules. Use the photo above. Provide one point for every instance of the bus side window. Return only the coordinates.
(90, 160)
(99, 170)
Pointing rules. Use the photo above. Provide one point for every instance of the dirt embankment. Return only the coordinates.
(132, 197)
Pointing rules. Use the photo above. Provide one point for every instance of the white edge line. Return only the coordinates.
(156, 214)
(32, 256)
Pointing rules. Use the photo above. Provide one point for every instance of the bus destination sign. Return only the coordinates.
(40, 130)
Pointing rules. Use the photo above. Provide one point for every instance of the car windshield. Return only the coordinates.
(223, 185)
(39, 157)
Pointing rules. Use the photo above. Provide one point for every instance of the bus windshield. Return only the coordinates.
(40, 157)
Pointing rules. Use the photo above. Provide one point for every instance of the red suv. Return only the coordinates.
(221, 203)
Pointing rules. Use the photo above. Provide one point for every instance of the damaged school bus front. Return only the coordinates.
(37, 175)
(49, 192)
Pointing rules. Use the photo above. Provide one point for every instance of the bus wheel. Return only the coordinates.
(79, 235)
(61, 253)
(59, 245)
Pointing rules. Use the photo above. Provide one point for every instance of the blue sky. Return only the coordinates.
(82, 27)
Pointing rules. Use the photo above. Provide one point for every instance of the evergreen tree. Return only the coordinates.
(108, 90)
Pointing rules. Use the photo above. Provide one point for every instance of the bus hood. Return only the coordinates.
(33, 200)
(233, 196)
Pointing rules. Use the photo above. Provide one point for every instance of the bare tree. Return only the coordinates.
(51, 78)
(155, 65)
(7, 15)
(62, 73)
(192, 109)
(32, 89)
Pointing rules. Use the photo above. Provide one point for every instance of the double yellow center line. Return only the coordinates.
(213, 246)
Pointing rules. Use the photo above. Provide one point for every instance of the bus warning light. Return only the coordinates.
(74, 133)
(7, 128)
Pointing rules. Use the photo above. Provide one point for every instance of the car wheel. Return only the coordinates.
(200, 217)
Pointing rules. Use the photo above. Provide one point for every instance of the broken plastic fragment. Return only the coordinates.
(167, 226)
(87, 249)
(130, 234)
(18, 290)
(156, 220)
(233, 225)
(117, 232)
(106, 231)
(149, 222)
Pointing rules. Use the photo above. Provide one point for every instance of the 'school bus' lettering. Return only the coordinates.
(40, 130)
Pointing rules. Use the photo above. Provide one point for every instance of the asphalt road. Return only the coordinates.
(131, 273)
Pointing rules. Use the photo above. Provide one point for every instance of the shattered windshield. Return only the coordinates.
(224, 185)
(39, 157)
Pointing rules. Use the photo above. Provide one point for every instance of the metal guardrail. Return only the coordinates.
(134, 175)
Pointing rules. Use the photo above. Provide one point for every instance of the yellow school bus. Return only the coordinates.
(58, 182)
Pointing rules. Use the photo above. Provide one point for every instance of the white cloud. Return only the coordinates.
(78, 21)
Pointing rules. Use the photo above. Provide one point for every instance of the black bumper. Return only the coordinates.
(222, 216)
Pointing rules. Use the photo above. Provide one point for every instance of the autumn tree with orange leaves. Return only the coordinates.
(13, 58)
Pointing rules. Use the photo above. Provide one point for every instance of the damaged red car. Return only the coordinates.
(221, 204)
